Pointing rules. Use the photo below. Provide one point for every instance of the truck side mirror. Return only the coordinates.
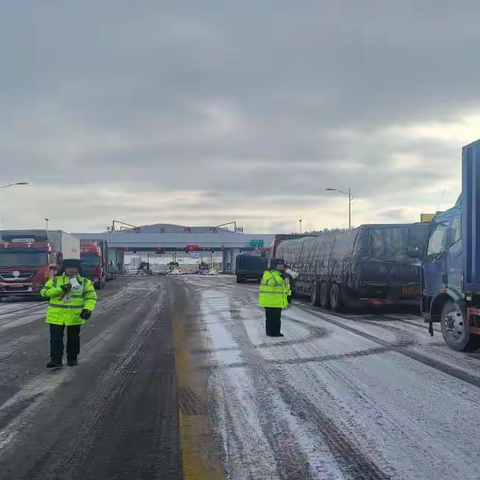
(414, 252)
(418, 235)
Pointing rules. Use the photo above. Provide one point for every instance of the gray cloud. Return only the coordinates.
(254, 106)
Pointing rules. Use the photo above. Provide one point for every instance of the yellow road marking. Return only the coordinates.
(199, 452)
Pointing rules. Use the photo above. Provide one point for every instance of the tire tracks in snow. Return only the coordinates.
(352, 461)
(271, 392)
(52, 435)
(252, 420)
(403, 350)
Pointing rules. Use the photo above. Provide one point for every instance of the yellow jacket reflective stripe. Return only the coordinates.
(273, 292)
(65, 308)
(288, 288)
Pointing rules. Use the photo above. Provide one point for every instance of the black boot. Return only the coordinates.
(72, 362)
(54, 364)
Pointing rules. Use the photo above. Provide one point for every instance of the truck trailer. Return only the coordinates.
(28, 258)
(368, 265)
(450, 262)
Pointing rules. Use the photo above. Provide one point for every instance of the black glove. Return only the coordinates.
(66, 288)
(86, 314)
(289, 299)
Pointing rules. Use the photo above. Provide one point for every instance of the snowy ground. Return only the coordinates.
(357, 396)
(178, 380)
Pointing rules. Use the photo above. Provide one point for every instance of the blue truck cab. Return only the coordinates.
(451, 263)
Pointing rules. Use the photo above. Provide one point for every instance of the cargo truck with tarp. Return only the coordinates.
(368, 265)
(450, 262)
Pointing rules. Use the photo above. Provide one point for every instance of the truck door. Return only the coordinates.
(435, 265)
(455, 252)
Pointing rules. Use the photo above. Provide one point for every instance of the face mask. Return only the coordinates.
(74, 283)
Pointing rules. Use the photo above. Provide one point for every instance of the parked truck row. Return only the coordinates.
(433, 265)
(28, 258)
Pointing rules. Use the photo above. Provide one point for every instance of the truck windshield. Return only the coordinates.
(20, 259)
(90, 260)
(390, 244)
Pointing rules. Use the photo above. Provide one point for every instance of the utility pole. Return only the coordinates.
(350, 199)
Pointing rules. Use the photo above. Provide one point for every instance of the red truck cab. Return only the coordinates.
(93, 263)
(26, 264)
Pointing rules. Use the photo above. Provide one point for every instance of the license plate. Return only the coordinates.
(16, 285)
(410, 290)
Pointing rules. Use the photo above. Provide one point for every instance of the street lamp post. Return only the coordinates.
(350, 198)
(2, 187)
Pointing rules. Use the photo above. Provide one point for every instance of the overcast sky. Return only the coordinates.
(206, 111)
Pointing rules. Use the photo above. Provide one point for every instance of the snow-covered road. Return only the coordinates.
(353, 396)
(177, 380)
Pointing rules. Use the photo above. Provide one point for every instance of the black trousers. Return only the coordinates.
(56, 341)
(273, 322)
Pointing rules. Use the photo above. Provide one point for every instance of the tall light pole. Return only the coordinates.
(350, 198)
(2, 187)
(300, 222)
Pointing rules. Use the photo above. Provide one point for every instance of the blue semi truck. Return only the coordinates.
(450, 262)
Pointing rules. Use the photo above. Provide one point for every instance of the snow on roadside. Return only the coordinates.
(240, 416)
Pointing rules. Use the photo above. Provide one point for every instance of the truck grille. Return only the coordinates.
(8, 275)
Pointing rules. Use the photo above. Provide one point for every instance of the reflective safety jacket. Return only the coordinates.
(65, 308)
(273, 290)
(288, 287)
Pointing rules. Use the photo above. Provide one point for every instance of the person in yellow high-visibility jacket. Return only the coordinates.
(274, 292)
(72, 301)
(288, 289)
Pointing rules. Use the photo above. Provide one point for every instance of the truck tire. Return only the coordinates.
(324, 296)
(336, 298)
(315, 295)
(455, 329)
(239, 279)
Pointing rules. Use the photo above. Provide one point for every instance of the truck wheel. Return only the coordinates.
(239, 279)
(336, 298)
(315, 295)
(324, 296)
(455, 329)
